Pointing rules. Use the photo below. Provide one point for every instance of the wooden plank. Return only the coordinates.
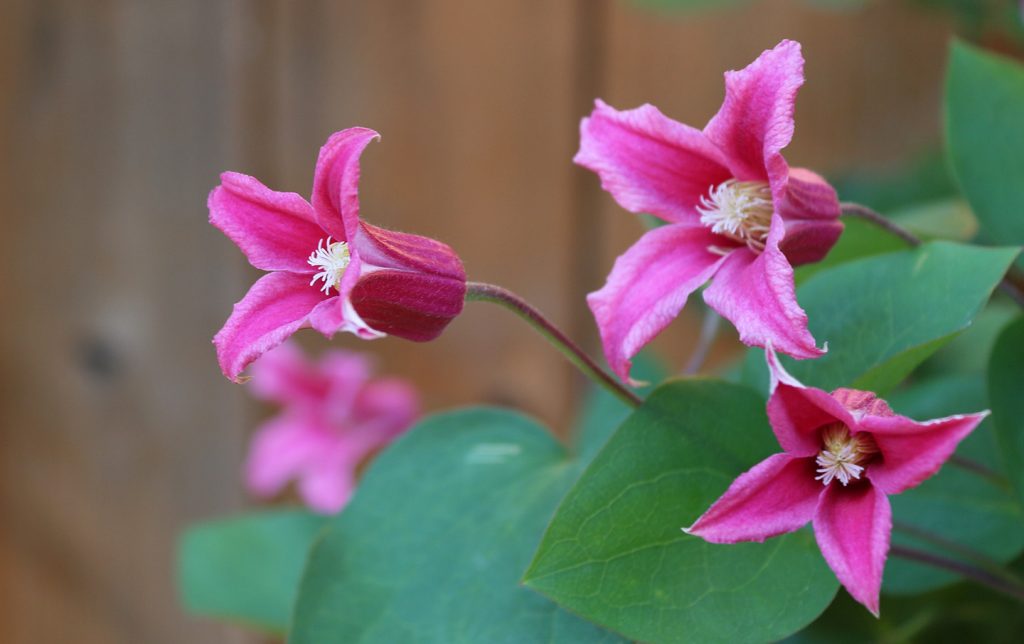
(475, 105)
(117, 427)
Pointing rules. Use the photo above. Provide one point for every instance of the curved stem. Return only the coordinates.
(859, 211)
(980, 559)
(1012, 283)
(480, 292)
(708, 331)
(975, 467)
(982, 577)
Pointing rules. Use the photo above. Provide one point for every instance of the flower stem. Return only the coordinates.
(999, 584)
(708, 331)
(1012, 283)
(850, 209)
(980, 559)
(480, 292)
(975, 467)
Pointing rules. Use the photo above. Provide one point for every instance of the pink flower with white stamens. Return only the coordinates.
(334, 416)
(844, 453)
(327, 269)
(735, 210)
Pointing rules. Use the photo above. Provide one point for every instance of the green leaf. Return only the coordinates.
(615, 554)
(859, 239)
(247, 569)
(985, 138)
(969, 352)
(1006, 389)
(956, 513)
(925, 178)
(602, 413)
(882, 316)
(949, 218)
(433, 544)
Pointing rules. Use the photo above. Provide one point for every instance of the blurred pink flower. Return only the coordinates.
(735, 211)
(844, 452)
(333, 417)
(328, 269)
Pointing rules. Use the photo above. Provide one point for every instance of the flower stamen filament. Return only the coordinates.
(844, 454)
(332, 258)
(740, 210)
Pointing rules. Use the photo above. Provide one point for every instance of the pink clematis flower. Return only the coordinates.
(328, 270)
(735, 211)
(844, 453)
(334, 416)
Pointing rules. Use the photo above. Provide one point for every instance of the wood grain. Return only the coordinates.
(116, 117)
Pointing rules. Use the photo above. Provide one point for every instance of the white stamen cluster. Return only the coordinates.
(844, 455)
(332, 259)
(741, 210)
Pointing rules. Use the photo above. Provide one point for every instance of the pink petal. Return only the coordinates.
(347, 374)
(776, 496)
(650, 163)
(797, 413)
(328, 488)
(755, 121)
(414, 306)
(276, 306)
(411, 286)
(329, 316)
(383, 248)
(280, 450)
(648, 286)
(913, 451)
(284, 375)
(862, 403)
(810, 209)
(853, 526)
(392, 403)
(275, 230)
(336, 182)
(755, 292)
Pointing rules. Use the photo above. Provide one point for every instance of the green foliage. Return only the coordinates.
(432, 547)
(1006, 389)
(956, 513)
(615, 554)
(859, 239)
(883, 315)
(247, 569)
(985, 138)
(963, 613)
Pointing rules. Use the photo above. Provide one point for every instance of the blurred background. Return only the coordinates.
(116, 117)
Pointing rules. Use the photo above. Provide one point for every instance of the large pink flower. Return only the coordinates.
(333, 417)
(328, 269)
(844, 452)
(735, 211)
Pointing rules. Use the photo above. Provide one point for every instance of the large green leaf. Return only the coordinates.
(615, 554)
(247, 569)
(956, 513)
(433, 544)
(985, 138)
(859, 239)
(882, 316)
(602, 413)
(1006, 389)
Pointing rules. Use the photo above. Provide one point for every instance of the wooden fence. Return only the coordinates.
(116, 117)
